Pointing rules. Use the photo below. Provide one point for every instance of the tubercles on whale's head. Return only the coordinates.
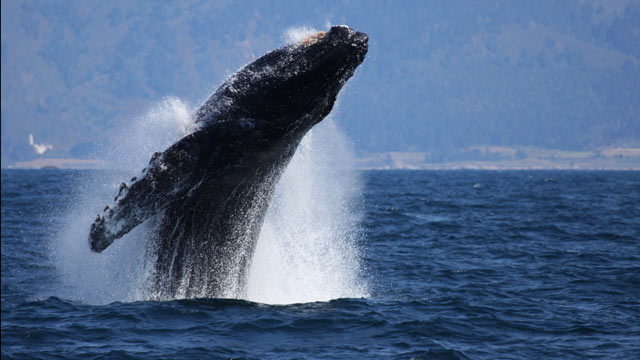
(323, 63)
(293, 87)
(339, 43)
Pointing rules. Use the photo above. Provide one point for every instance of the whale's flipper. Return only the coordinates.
(159, 185)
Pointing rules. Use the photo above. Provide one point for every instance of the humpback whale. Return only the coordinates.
(205, 197)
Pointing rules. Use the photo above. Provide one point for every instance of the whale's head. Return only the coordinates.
(293, 87)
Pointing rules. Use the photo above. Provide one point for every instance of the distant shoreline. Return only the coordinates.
(397, 161)
(524, 164)
(60, 163)
(506, 158)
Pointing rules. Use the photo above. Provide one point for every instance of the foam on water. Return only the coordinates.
(307, 250)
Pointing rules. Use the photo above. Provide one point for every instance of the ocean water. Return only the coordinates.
(439, 265)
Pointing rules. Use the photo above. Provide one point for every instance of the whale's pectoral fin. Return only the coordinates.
(102, 233)
(116, 222)
(161, 183)
(130, 211)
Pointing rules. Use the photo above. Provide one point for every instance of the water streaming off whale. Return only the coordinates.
(307, 250)
(123, 273)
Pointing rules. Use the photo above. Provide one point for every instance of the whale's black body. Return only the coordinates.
(207, 194)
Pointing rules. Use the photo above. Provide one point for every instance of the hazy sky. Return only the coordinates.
(440, 75)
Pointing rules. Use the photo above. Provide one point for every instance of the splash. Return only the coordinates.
(132, 146)
(307, 250)
(122, 273)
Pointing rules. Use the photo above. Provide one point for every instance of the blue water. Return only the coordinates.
(459, 265)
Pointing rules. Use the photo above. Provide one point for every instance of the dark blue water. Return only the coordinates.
(460, 265)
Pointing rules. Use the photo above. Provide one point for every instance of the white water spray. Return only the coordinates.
(120, 273)
(307, 250)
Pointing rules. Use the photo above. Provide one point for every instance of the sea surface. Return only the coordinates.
(456, 265)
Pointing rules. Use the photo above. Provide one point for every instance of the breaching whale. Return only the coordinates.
(205, 197)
